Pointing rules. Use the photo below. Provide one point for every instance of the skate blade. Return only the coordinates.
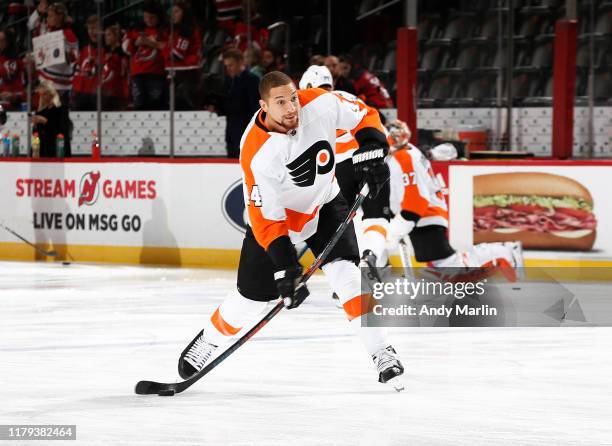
(397, 383)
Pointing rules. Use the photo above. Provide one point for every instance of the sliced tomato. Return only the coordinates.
(578, 213)
(486, 210)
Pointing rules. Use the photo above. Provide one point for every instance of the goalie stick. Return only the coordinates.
(152, 387)
(51, 253)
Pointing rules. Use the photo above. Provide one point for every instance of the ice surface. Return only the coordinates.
(74, 340)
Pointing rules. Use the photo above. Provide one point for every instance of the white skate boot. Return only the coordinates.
(194, 357)
(389, 367)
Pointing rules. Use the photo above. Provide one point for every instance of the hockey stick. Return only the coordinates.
(405, 256)
(51, 253)
(169, 389)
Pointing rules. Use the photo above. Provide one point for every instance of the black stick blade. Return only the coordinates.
(149, 387)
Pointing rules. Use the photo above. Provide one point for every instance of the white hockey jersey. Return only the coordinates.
(287, 178)
(415, 189)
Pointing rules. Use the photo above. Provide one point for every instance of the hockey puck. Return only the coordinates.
(168, 392)
(65, 263)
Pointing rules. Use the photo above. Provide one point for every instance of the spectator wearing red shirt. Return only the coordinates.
(184, 55)
(115, 71)
(12, 86)
(367, 86)
(85, 83)
(60, 76)
(145, 47)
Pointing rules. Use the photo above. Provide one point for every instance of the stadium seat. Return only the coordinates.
(443, 87)
(435, 55)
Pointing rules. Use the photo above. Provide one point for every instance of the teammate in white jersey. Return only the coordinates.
(420, 211)
(376, 213)
(292, 195)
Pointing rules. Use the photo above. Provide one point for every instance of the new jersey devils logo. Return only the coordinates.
(88, 188)
(319, 158)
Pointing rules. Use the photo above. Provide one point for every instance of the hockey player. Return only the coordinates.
(421, 212)
(376, 212)
(292, 195)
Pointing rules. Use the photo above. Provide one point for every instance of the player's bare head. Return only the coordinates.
(279, 100)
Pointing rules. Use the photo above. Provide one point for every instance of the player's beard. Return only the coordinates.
(288, 125)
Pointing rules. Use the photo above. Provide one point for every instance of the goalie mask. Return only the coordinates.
(399, 134)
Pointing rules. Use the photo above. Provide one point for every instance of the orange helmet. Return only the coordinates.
(399, 133)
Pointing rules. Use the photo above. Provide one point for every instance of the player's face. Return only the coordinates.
(282, 108)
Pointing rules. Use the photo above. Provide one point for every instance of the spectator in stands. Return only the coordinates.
(252, 57)
(85, 83)
(241, 100)
(228, 13)
(340, 82)
(184, 56)
(271, 60)
(60, 76)
(317, 59)
(145, 47)
(367, 86)
(12, 85)
(51, 120)
(37, 23)
(114, 72)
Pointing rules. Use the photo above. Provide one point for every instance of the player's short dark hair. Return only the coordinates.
(272, 80)
(233, 53)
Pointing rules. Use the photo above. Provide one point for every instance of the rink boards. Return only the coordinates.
(190, 212)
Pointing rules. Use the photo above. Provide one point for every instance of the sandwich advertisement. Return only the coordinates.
(557, 212)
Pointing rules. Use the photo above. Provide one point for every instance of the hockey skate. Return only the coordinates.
(367, 265)
(389, 367)
(195, 356)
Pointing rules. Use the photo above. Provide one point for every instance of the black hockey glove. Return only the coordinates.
(289, 287)
(288, 272)
(369, 164)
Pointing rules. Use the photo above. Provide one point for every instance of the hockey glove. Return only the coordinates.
(399, 228)
(289, 287)
(369, 164)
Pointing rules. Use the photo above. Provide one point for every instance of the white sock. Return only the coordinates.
(345, 279)
(230, 317)
(374, 238)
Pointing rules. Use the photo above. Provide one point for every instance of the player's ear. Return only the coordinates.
(263, 105)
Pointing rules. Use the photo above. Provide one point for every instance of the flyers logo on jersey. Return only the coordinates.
(318, 159)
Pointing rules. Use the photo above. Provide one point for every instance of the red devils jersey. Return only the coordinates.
(145, 59)
(86, 76)
(61, 75)
(185, 51)
(369, 88)
(11, 78)
(289, 177)
(115, 74)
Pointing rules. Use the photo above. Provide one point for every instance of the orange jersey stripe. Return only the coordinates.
(377, 228)
(309, 94)
(264, 230)
(370, 120)
(297, 220)
(358, 306)
(222, 326)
